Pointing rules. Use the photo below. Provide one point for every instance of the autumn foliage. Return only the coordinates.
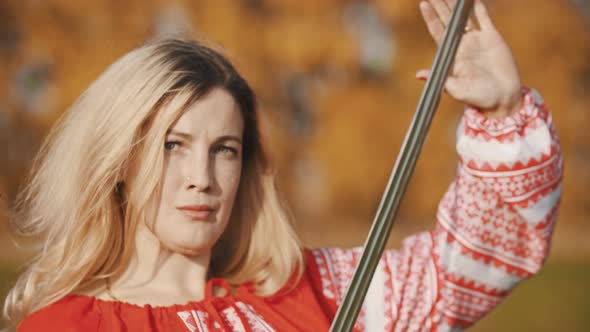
(335, 121)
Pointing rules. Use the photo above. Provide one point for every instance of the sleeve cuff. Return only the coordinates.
(531, 105)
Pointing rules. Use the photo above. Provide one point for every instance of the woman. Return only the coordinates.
(159, 213)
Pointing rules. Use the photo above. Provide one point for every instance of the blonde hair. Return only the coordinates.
(77, 203)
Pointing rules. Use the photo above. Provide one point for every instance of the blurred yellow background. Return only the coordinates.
(335, 79)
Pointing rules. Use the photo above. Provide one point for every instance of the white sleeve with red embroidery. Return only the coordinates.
(494, 229)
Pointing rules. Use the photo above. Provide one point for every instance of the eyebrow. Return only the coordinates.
(189, 137)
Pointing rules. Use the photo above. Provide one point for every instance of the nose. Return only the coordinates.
(199, 176)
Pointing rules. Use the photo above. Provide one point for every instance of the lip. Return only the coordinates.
(196, 212)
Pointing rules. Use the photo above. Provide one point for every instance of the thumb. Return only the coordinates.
(454, 88)
(422, 74)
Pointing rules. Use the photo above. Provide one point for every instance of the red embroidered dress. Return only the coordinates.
(494, 229)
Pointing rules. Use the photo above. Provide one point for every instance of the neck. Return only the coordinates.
(158, 276)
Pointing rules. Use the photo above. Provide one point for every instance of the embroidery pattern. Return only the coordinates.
(233, 317)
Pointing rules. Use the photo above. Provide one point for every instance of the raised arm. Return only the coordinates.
(495, 222)
(494, 227)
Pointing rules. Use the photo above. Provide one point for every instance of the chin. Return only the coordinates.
(189, 246)
(189, 238)
(188, 250)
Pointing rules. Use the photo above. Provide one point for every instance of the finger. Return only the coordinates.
(452, 84)
(481, 13)
(472, 21)
(442, 10)
(450, 4)
(433, 23)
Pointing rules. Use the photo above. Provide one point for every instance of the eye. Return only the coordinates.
(225, 150)
(172, 145)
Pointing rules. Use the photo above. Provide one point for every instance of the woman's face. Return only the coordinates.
(202, 167)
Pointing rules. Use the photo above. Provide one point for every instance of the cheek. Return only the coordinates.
(171, 178)
(229, 180)
(158, 202)
(171, 182)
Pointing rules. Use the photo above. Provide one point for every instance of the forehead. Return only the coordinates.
(215, 113)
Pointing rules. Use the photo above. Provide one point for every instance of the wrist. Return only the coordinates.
(508, 105)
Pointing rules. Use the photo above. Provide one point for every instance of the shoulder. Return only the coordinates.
(331, 269)
(71, 313)
(332, 257)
